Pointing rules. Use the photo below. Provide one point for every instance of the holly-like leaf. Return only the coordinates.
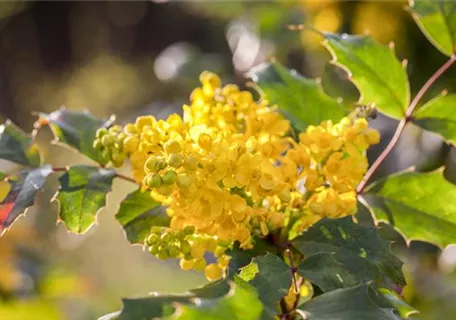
(271, 277)
(17, 146)
(138, 212)
(347, 304)
(390, 298)
(77, 130)
(421, 205)
(437, 20)
(82, 193)
(374, 69)
(438, 116)
(225, 299)
(23, 188)
(302, 100)
(334, 270)
(340, 253)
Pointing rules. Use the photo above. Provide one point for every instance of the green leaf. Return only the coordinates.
(138, 212)
(302, 100)
(347, 304)
(224, 299)
(77, 129)
(392, 299)
(421, 205)
(438, 115)
(272, 280)
(330, 271)
(24, 187)
(437, 20)
(82, 194)
(17, 146)
(374, 69)
(353, 255)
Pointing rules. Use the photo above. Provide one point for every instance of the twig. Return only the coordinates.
(121, 176)
(293, 268)
(400, 128)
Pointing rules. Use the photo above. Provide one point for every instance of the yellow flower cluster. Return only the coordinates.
(229, 171)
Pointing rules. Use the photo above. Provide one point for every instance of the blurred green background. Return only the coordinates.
(144, 57)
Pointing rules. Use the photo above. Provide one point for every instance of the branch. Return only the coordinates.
(400, 128)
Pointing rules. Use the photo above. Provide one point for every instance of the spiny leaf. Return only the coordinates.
(77, 129)
(138, 212)
(272, 280)
(438, 115)
(224, 299)
(336, 270)
(347, 304)
(23, 188)
(437, 20)
(374, 69)
(391, 298)
(82, 194)
(421, 205)
(347, 254)
(17, 146)
(302, 100)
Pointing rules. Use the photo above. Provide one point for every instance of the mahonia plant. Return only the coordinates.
(271, 197)
(228, 172)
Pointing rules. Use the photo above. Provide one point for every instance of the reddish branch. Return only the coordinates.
(400, 128)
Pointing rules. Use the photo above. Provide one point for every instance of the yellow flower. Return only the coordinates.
(228, 172)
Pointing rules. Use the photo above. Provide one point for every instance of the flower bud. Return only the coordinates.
(185, 247)
(97, 144)
(213, 272)
(199, 264)
(184, 180)
(166, 237)
(108, 141)
(175, 160)
(165, 190)
(169, 177)
(163, 253)
(153, 239)
(154, 164)
(101, 132)
(153, 249)
(153, 180)
(173, 251)
(190, 163)
(189, 230)
(130, 128)
(186, 264)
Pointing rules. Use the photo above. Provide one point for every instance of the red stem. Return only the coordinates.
(121, 176)
(400, 128)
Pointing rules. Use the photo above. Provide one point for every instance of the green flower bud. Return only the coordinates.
(115, 129)
(153, 180)
(163, 253)
(175, 160)
(120, 139)
(189, 230)
(118, 158)
(166, 237)
(173, 251)
(156, 230)
(101, 132)
(169, 177)
(108, 141)
(155, 164)
(153, 239)
(97, 144)
(106, 155)
(185, 247)
(153, 250)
